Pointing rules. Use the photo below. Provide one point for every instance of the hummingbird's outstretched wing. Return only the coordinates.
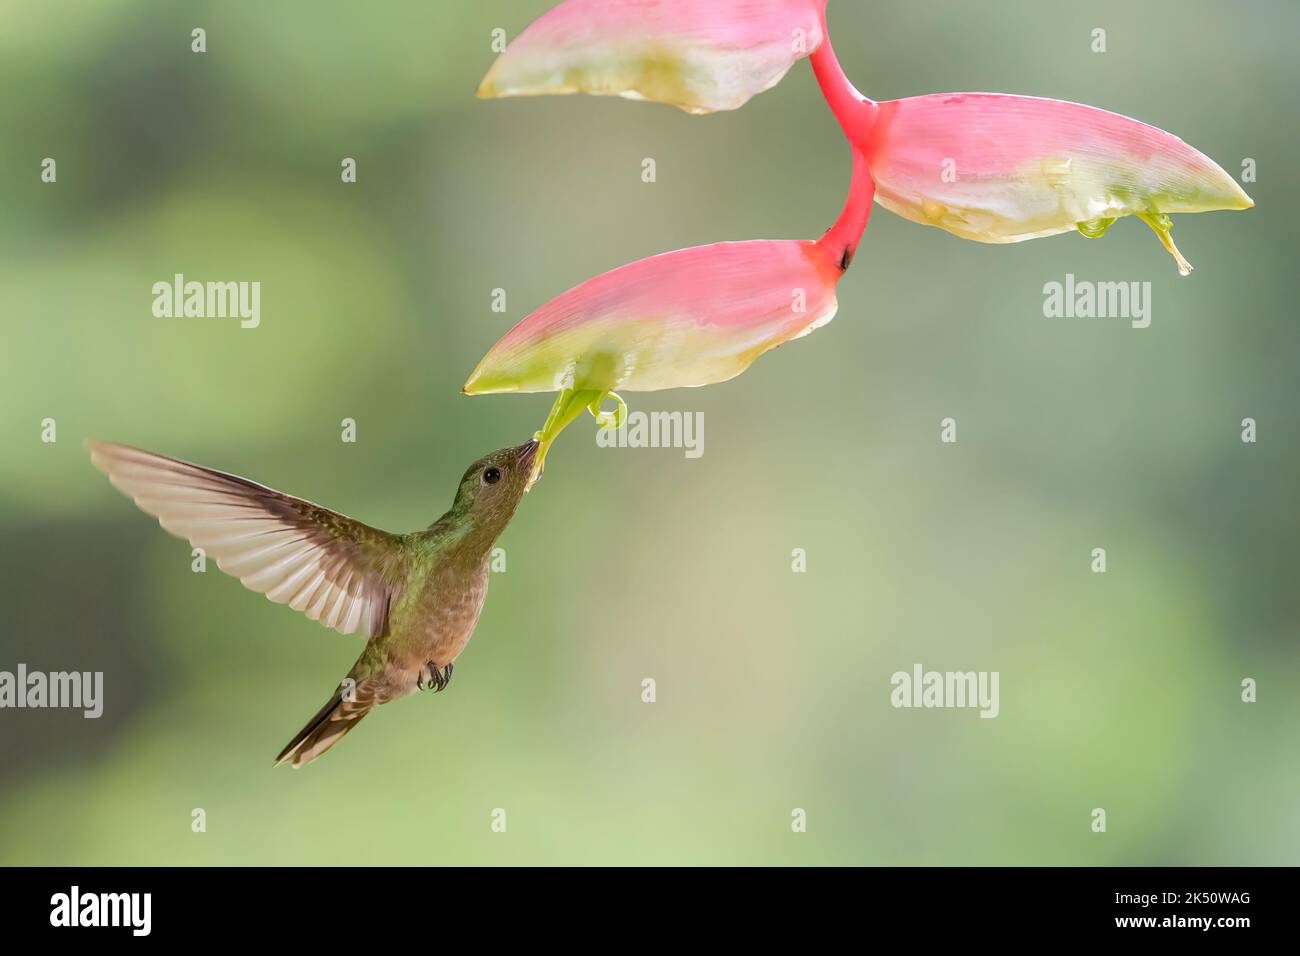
(336, 570)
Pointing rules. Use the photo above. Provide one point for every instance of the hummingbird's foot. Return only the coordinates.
(437, 679)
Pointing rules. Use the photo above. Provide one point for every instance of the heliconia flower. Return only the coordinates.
(690, 317)
(999, 168)
(685, 318)
(681, 319)
(699, 55)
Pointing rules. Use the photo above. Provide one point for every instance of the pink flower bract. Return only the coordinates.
(699, 55)
(685, 318)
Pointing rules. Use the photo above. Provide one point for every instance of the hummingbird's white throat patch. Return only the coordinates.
(208, 300)
(81, 690)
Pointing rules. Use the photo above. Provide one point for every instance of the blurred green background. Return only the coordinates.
(1119, 691)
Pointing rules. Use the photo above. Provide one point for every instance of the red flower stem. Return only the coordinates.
(855, 112)
(847, 231)
(857, 117)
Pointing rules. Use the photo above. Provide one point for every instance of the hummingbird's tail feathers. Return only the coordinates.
(331, 723)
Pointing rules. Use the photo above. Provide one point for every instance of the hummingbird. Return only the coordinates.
(415, 597)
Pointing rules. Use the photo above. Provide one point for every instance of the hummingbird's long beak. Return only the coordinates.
(530, 458)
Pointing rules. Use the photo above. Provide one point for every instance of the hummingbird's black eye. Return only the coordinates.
(492, 475)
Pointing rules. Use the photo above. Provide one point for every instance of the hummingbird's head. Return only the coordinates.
(492, 487)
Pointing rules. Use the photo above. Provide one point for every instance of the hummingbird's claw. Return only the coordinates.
(438, 678)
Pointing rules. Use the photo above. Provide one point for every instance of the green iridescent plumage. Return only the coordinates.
(416, 597)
